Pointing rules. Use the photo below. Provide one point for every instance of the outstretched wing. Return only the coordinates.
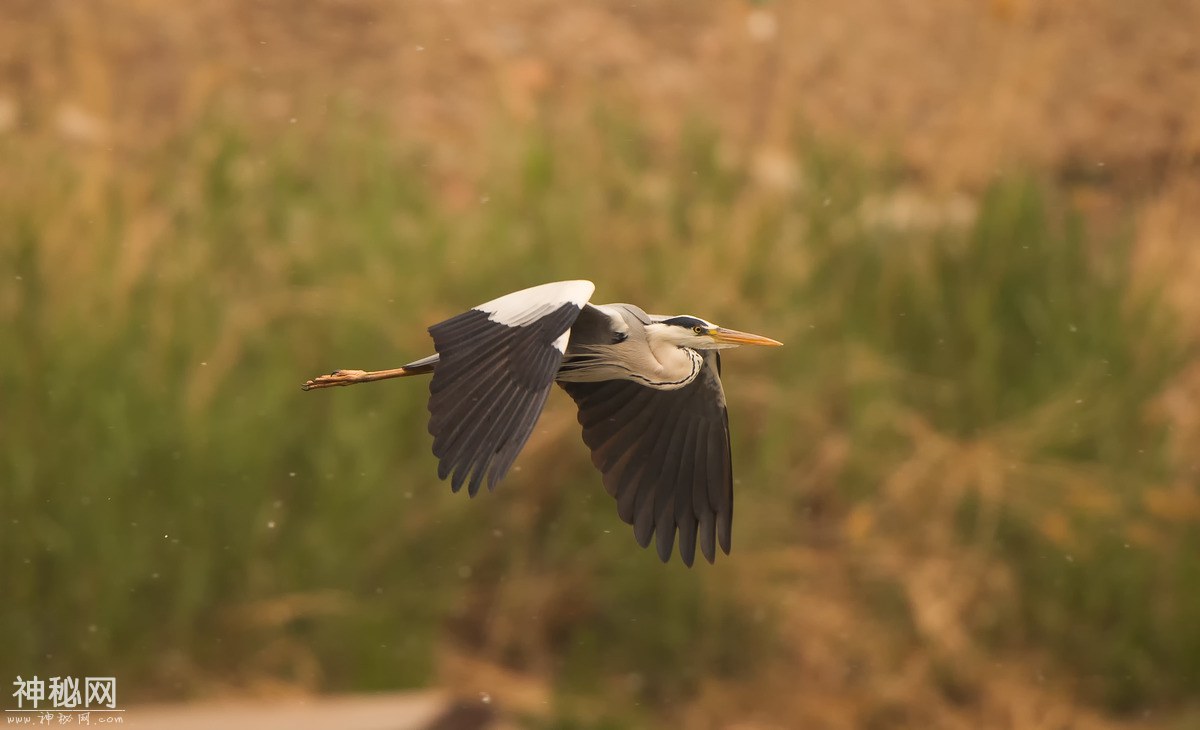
(665, 458)
(496, 364)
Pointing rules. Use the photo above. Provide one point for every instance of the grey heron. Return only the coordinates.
(648, 389)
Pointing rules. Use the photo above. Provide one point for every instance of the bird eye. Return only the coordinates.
(698, 330)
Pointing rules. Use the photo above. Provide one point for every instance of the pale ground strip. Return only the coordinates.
(398, 711)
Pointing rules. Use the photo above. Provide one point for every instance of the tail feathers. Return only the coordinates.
(423, 366)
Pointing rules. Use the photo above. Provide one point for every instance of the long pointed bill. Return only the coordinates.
(733, 337)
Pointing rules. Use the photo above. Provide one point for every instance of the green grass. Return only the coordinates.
(176, 511)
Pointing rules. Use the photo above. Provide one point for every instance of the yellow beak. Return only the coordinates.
(733, 337)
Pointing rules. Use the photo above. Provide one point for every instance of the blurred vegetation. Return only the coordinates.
(967, 408)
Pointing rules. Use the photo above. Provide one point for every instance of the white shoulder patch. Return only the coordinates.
(527, 305)
(614, 315)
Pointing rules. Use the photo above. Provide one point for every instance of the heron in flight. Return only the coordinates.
(648, 389)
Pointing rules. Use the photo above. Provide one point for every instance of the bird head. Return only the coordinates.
(698, 334)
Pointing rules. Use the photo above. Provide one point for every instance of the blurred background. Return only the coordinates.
(968, 489)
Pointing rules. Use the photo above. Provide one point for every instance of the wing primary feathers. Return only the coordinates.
(466, 363)
(482, 455)
(666, 485)
(665, 459)
(465, 437)
(607, 402)
(685, 511)
(508, 449)
(700, 471)
(478, 409)
(492, 380)
(630, 429)
(708, 527)
(720, 486)
(626, 475)
(462, 416)
(643, 524)
(464, 327)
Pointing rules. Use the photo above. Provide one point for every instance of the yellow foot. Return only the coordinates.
(337, 377)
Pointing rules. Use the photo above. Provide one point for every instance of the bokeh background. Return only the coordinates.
(968, 489)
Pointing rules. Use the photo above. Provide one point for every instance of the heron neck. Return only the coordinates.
(676, 367)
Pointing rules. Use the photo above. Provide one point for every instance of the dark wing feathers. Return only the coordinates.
(685, 505)
(665, 458)
(664, 454)
(489, 387)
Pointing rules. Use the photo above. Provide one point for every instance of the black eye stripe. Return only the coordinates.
(687, 322)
